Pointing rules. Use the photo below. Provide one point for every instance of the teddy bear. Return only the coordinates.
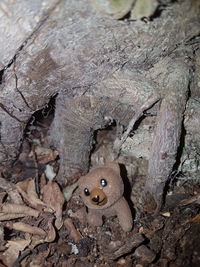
(102, 192)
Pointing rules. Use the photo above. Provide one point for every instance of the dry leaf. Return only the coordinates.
(73, 233)
(53, 196)
(15, 208)
(14, 248)
(40, 259)
(44, 155)
(26, 228)
(27, 190)
(11, 190)
(51, 235)
(7, 217)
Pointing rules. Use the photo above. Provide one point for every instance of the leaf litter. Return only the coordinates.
(38, 226)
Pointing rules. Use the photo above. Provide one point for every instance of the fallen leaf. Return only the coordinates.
(8, 208)
(44, 155)
(27, 189)
(73, 233)
(11, 190)
(51, 235)
(26, 228)
(40, 259)
(7, 217)
(52, 195)
(14, 248)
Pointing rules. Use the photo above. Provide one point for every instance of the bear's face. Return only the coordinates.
(101, 187)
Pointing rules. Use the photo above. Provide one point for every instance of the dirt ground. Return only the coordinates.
(37, 227)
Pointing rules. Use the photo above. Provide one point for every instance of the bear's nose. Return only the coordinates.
(95, 199)
(98, 197)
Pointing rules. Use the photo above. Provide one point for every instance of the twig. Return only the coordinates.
(132, 242)
(148, 104)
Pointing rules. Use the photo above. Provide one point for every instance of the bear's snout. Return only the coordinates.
(98, 197)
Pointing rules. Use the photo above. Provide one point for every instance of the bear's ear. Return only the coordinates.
(114, 166)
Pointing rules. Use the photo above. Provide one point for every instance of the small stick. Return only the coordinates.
(148, 104)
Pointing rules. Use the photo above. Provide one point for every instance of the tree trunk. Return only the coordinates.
(102, 69)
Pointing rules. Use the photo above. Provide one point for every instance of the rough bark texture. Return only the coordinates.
(168, 130)
(101, 68)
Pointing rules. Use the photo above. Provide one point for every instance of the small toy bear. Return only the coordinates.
(102, 192)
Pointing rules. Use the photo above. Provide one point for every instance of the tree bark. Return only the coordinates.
(100, 68)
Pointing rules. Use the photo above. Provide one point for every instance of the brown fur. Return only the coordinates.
(105, 200)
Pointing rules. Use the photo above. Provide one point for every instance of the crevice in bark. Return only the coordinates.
(180, 149)
(47, 112)
(1, 76)
(41, 118)
(101, 135)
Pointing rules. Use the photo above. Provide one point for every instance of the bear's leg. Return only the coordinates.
(94, 218)
(124, 214)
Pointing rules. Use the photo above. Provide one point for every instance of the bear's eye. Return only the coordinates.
(103, 182)
(86, 191)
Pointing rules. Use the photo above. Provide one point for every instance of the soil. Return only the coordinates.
(169, 238)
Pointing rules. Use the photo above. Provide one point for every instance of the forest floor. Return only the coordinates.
(37, 229)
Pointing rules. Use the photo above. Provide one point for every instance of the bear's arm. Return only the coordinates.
(124, 214)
